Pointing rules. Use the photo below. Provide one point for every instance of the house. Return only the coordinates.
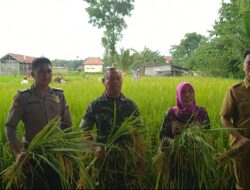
(16, 64)
(92, 65)
(167, 69)
(168, 59)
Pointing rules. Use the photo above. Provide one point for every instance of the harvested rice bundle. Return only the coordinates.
(188, 162)
(60, 150)
(123, 166)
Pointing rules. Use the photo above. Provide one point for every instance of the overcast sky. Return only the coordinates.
(59, 29)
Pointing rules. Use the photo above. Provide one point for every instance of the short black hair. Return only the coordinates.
(39, 61)
(246, 52)
(110, 69)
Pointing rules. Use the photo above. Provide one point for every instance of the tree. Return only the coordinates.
(187, 46)
(123, 59)
(233, 32)
(147, 57)
(221, 53)
(130, 59)
(109, 14)
(69, 64)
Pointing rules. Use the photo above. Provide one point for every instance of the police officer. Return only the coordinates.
(107, 111)
(35, 107)
(235, 113)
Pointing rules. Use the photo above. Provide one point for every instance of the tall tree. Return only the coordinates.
(146, 57)
(187, 46)
(233, 31)
(221, 53)
(109, 14)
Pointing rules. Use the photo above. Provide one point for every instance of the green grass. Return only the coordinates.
(153, 95)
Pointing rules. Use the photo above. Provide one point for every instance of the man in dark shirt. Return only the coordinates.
(108, 112)
(35, 107)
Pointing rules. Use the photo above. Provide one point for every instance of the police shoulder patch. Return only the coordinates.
(238, 84)
(58, 89)
(24, 90)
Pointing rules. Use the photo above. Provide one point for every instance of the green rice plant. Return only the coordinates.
(62, 150)
(123, 166)
(189, 158)
(153, 95)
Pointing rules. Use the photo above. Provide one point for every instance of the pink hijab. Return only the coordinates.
(183, 112)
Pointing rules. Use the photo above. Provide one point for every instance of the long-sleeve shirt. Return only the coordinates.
(105, 113)
(35, 111)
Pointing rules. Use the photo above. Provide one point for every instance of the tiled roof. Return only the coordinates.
(22, 58)
(93, 61)
(168, 58)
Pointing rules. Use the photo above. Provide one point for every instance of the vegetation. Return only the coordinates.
(109, 14)
(130, 59)
(61, 150)
(221, 54)
(153, 95)
(193, 165)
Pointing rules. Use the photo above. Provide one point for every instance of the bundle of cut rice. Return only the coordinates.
(62, 150)
(188, 162)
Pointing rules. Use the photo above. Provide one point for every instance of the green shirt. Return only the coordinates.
(106, 113)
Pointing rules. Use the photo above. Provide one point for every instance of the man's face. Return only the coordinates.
(42, 74)
(246, 67)
(113, 83)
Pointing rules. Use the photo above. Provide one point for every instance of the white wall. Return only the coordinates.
(153, 70)
(93, 68)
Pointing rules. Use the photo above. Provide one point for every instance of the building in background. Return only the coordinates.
(15, 64)
(168, 59)
(165, 69)
(91, 65)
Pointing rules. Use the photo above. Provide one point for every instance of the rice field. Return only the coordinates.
(153, 95)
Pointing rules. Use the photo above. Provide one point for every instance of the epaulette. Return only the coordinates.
(238, 84)
(57, 89)
(24, 90)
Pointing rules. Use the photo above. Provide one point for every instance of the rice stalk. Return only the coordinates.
(61, 150)
(124, 157)
(189, 157)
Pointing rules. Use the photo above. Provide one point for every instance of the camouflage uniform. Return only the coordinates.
(107, 113)
(102, 112)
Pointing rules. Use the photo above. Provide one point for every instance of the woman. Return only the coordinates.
(185, 113)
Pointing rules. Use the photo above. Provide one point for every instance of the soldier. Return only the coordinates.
(35, 107)
(101, 112)
(235, 113)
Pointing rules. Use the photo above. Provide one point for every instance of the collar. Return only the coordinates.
(247, 83)
(105, 97)
(34, 90)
